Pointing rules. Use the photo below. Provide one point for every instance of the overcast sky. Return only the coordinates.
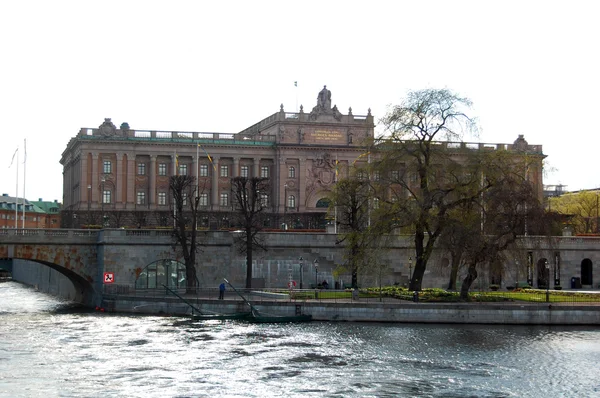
(530, 67)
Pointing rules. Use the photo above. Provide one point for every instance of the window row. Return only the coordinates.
(182, 169)
(203, 199)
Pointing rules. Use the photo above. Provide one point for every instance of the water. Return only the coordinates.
(49, 349)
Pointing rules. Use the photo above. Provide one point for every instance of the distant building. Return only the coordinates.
(40, 214)
(120, 177)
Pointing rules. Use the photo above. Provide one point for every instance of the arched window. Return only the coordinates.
(322, 203)
(170, 273)
(291, 202)
(292, 172)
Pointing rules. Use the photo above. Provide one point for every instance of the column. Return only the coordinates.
(214, 186)
(152, 178)
(119, 173)
(256, 168)
(301, 184)
(130, 171)
(236, 167)
(95, 171)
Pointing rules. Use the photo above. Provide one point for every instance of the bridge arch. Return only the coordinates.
(84, 290)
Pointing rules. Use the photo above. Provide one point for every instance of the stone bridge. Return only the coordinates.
(84, 256)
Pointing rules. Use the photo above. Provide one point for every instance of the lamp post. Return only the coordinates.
(316, 263)
(103, 180)
(547, 264)
(409, 270)
(301, 272)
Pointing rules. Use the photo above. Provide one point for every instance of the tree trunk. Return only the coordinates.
(468, 281)
(454, 273)
(248, 258)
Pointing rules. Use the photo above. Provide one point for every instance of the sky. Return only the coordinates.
(530, 67)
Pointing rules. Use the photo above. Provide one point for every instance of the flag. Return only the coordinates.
(208, 156)
(176, 164)
(13, 158)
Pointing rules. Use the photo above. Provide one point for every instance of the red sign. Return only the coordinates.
(109, 277)
(292, 284)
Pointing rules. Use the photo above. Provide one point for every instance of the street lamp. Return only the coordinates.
(316, 263)
(547, 264)
(301, 271)
(409, 270)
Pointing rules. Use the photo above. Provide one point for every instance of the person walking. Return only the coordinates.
(222, 291)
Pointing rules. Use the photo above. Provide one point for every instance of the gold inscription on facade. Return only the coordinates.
(327, 135)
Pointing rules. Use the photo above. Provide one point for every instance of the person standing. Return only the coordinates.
(222, 291)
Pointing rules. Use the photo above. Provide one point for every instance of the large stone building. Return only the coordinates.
(119, 177)
(124, 173)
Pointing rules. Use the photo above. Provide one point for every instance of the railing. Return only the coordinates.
(400, 296)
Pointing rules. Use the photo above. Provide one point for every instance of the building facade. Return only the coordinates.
(119, 177)
(122, 175)
(19, 213)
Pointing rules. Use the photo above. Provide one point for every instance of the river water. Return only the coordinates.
(50, 348)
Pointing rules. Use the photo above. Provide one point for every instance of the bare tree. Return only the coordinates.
(185, 205)
(426, 183)
(350, 199)
(508, 207)
(250, 199)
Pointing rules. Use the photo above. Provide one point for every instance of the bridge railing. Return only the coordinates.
(258, 295)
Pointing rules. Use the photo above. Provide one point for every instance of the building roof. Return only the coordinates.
(8, 203)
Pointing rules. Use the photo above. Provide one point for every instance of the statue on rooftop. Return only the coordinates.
(324, 99)
(323, 105)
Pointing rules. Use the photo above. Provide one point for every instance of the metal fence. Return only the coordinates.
(395, 295)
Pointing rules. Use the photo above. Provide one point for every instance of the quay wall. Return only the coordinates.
(450, 313)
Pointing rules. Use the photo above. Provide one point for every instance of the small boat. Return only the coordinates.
(279, 318)
(254, 316)
(234, 315)
(198, 315)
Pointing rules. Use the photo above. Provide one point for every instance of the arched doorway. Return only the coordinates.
(587, 272)
(170, 273)
(543, 273)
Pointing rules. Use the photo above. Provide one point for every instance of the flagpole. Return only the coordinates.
(17, 195)
(296, 85)
(24, 175)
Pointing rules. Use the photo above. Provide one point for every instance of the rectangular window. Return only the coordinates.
(106, 196)
(141, 198)
(244, 171)
(264, 172)
(264, 200)
(224, 199)
(291, 172)
(376, 175)
(203, 199)
(162, 169)
(184, 199)
(224, 171)
(183, 169)
(203, 170)
(141, 169)
(162, 198)
(395, 175)
(107, 167)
